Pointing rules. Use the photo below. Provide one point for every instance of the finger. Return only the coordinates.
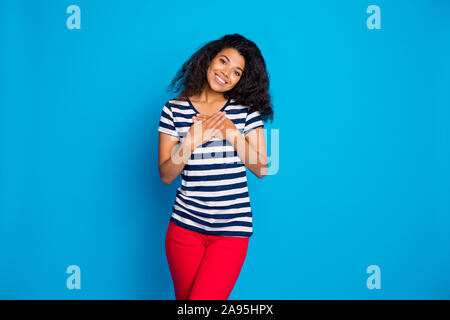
(217, 119)
(212, 119)
(218, 132)
(199, 118)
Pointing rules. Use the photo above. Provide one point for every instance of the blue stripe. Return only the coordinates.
(198, 205)
(253, 120)
(182, 115)
(214, 176)
(223, 198)
(179, 124)
(237, 112)
(251, 129)
(215, 188)
(167, 126)
(215, 215)
(212, 166)
(215, 155)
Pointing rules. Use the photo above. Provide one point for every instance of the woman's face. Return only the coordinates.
(225, 70)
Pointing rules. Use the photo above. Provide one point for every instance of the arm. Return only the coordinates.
(173, 156)
(251, 149)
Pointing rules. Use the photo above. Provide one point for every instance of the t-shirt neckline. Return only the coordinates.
(196, 111)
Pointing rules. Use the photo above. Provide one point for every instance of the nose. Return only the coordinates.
(225, 77)
(225, 73)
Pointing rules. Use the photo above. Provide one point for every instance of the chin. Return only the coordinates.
(216, 87)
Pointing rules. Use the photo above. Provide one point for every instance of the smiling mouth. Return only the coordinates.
(220, 80)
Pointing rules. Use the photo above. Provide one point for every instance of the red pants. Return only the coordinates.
(203, 267)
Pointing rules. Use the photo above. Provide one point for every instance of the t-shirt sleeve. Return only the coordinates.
(166, 122)
(253, 121)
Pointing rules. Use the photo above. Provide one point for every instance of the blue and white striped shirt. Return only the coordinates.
(213, 197)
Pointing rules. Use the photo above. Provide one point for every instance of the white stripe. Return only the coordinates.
(253, 125)
(167, 110)
(253, 114)
(212, 220)
(223, 182)
(181, 119)
(216, 193)
(221, 149)
(237, 107)
(216, 203)
(193, 173)
(214, 211)
(167, 121)
(232, 116)
(168, 131)
(214, 160)
(178, 102)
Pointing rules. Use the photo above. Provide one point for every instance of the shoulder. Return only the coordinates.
(244, 107)
(175, 104)
(177, 100)
(238, 107)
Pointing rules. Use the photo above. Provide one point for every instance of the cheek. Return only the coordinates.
(235, 80)
(215, 65)
(211, 76)
(211, 69)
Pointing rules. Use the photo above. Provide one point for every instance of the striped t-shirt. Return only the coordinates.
(213, 197)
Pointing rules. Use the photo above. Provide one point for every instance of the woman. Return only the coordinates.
(210, 134)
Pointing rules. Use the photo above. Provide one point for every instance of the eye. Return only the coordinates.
(237, 73)
(222, 60)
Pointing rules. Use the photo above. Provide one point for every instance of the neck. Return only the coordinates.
(209, 96)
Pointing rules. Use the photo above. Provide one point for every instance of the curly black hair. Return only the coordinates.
(251, 89)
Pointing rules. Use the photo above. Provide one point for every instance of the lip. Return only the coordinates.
(222, 84)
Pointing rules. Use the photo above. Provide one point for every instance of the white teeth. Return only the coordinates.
(220, 79)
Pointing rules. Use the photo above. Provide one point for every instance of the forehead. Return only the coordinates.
(234, 56)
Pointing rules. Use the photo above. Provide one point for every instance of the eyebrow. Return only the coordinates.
(222, 55)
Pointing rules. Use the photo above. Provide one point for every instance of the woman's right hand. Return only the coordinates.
(202, 131)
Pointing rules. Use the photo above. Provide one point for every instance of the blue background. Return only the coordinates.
(364, 147)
